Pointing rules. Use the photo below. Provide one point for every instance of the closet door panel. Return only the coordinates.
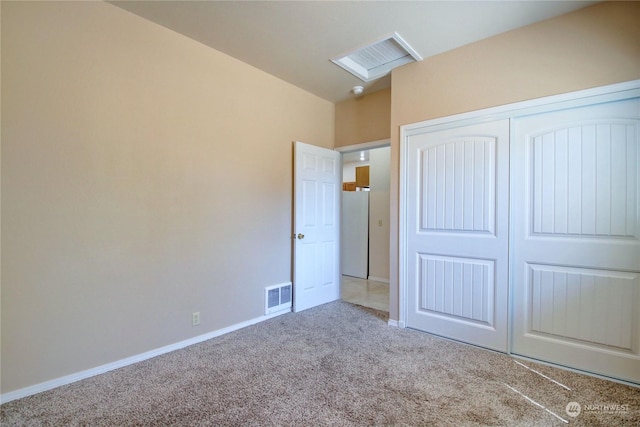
(457, 234)
(576, 241)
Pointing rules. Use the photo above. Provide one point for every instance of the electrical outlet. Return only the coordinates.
(195, 318)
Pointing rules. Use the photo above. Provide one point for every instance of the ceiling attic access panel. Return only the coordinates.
(377, 59)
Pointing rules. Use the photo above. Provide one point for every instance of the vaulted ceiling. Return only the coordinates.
(295, 40)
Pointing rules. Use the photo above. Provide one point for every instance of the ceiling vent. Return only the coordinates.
(378, 59)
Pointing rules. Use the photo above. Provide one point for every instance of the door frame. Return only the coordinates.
(609, 93)
(365, 146)
(371, 145)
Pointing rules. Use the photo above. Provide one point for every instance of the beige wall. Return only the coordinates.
(591, 47)
(144, 177)
(134, 159)
(0, 204)
(363, 119)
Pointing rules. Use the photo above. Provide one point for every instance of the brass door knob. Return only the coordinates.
(300, 236)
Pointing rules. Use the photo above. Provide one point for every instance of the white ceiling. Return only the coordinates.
(295, 40)
(355, 157)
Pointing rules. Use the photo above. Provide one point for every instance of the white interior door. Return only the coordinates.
(355, 233)
(457, 233)
(576, 227)
(317, 188)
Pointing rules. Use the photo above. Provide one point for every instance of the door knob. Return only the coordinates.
(300, 236)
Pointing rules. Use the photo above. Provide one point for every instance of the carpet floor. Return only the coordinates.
(335, 365)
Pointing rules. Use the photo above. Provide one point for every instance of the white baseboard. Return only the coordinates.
(377, 279)
(68, 379)
(396, 323)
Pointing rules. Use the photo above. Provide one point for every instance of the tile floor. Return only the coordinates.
(365, 292)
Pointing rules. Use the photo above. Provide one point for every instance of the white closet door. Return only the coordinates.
(457, 233)
(576, 229)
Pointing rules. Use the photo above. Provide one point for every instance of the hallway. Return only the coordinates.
(365, 292)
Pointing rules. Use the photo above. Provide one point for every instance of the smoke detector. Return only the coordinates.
(378, 59)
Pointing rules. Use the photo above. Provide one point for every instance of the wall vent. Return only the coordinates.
(277, 298)
(378, 59)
